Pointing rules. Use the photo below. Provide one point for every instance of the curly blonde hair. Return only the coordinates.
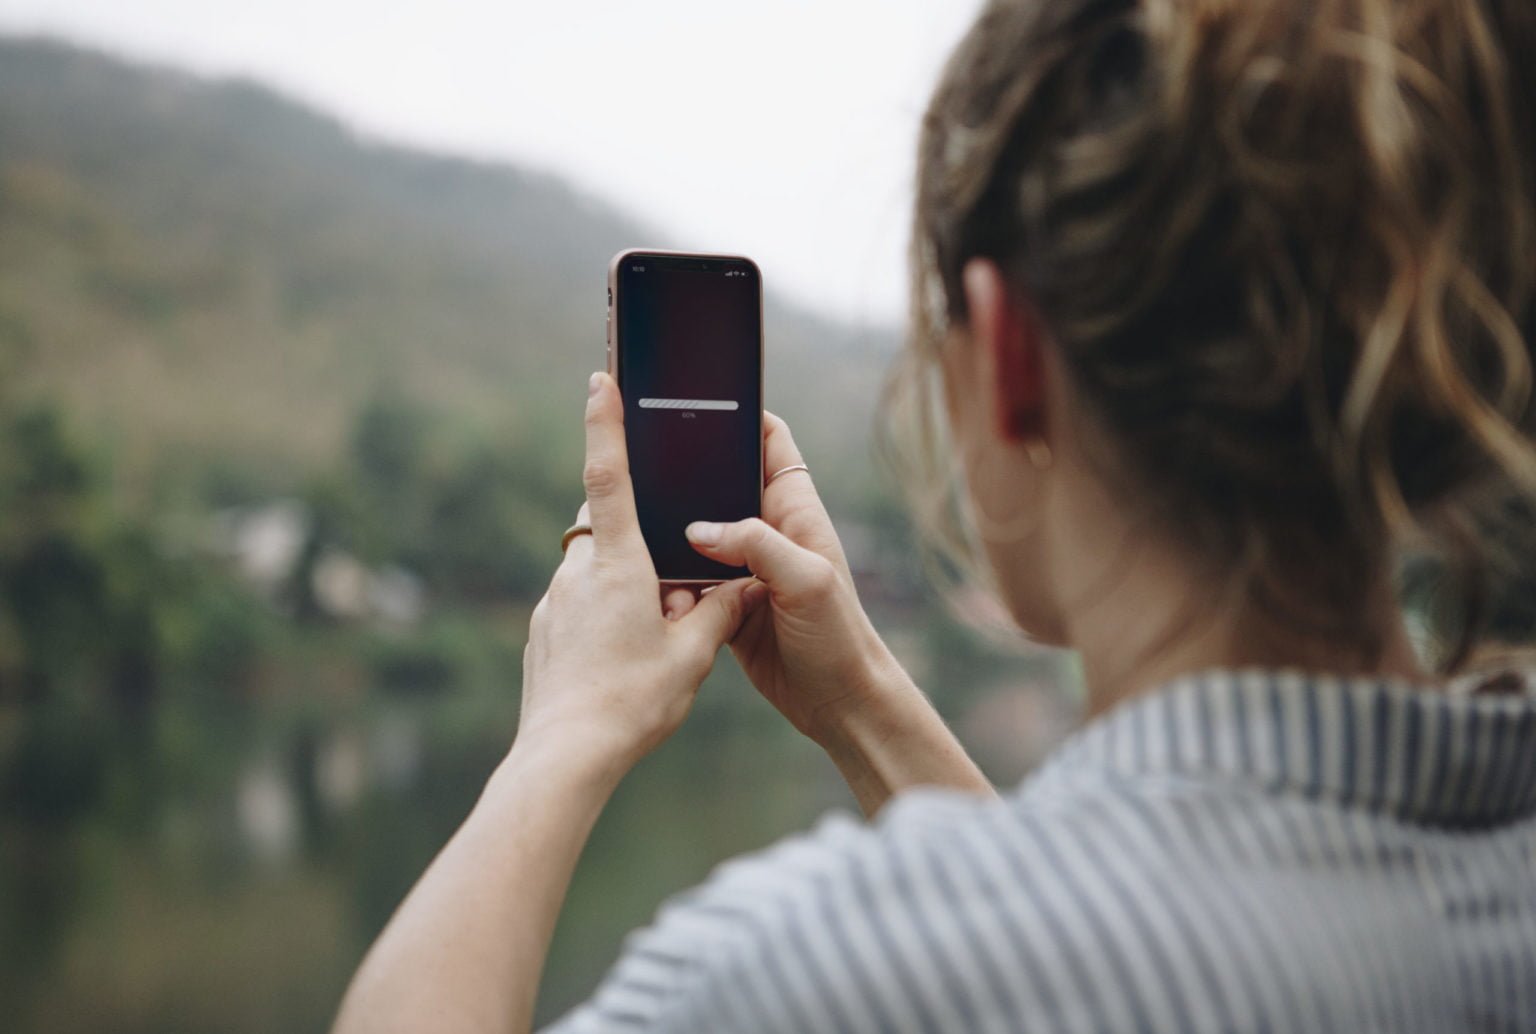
(1287, 253)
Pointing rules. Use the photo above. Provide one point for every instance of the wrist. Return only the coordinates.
(890, 737)
(584, 760)
(877, 691)
(884, 714)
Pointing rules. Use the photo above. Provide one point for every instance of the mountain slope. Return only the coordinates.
(206, 270)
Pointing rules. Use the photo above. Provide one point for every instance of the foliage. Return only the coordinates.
(213, 789)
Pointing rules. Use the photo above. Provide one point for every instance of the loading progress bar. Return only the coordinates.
(721, 404)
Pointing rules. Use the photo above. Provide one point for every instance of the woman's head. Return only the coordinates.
(1279, 256)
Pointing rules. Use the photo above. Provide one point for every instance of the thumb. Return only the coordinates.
(791, 569)
(719, 613)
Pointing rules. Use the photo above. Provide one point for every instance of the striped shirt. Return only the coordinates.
(1235, 851)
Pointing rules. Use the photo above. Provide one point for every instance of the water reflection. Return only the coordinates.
(267, 811)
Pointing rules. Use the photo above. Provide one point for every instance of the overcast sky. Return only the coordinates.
(780, 128)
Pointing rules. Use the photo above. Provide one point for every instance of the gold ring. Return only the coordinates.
(572, 532)
(781, 472)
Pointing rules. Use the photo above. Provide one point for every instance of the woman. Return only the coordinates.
(1231, 304)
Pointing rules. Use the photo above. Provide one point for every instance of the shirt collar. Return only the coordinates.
(1438, 756)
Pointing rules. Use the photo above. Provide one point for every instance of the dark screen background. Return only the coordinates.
(689, 334)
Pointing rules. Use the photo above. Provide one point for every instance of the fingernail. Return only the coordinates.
(593, 383)
(705, 533)
(753, 594)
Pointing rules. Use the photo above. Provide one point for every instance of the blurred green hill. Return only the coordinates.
(290, 423)
(211, 275)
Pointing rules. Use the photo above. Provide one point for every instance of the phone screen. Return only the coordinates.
(689, 348)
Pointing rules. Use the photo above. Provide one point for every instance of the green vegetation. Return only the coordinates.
(289, 429)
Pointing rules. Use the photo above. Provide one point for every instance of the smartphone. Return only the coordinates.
(685, 343)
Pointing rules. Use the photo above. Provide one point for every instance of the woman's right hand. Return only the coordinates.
(812, 651)
(815, 655)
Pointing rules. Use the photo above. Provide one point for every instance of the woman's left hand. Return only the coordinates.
(611, 667)
(614, 658)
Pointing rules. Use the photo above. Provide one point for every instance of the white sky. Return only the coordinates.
(783, 129)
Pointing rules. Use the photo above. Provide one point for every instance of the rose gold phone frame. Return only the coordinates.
(615, 351)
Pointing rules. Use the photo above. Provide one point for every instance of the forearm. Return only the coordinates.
(465, 949)
(894, 739)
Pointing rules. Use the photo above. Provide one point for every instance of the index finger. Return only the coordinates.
(605, 475)
(792, 504)
(779, 448)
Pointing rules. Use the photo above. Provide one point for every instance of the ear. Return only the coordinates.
(1007, 335)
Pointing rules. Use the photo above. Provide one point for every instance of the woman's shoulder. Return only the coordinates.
(1190, 844)
(955, 909)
